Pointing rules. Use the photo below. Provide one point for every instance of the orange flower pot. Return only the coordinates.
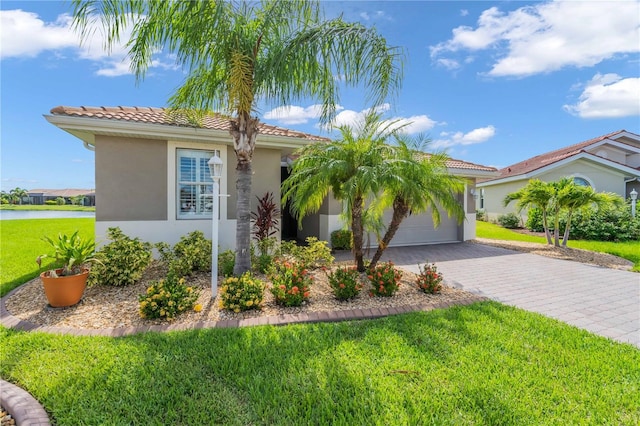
(64, 291)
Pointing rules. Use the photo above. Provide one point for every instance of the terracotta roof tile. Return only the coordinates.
(551, 157)
(161, 116)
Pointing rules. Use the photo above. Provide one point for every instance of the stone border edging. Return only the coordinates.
(24, 408)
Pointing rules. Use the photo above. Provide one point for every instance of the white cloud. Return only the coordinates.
(608, 96)
(549, 36)
(475, 136)
(25, 34)
(295, 114)
(464, 12)
(450, 64)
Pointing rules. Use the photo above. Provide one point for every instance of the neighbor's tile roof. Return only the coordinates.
(152, 115)
(551, 157)
(62, 192)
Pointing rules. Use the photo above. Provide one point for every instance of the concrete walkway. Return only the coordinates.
(600, 300)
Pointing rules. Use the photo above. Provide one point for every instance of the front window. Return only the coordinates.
(194, 184)
(581, 181)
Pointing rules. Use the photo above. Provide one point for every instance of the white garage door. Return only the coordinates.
(419, 229)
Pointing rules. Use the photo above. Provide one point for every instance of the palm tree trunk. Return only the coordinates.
(400, 211)
(545, 225)
(358, 231)
(567, 228)
(243, 219)
(244, 131)
(556, 229)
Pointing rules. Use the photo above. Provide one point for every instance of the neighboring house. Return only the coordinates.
(609, 163)
(40, 196)
(153, 182)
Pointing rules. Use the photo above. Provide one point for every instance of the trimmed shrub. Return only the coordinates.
(290, 283)
(345, 282)
(314, 255)
(534, 220)
(481, 215)
(50, 202)
(121, 262)
(342, 239)
(167, 299)
(192, 253)
(509, 220)
(60, 201)
(226, 263)
(607, 224)
(241, 294)
(429, 279)
(385, 279)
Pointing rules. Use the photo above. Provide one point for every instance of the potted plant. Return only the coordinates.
(64, 286)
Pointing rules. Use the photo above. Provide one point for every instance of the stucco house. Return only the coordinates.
(608, 163)
(152, 179)
(41, 196)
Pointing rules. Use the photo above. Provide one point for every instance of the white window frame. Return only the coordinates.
(195, 211)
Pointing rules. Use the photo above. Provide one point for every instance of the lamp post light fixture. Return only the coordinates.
(215, 169)
(634, 196)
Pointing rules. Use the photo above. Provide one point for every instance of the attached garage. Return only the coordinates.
(419, 230)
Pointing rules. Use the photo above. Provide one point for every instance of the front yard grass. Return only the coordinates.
(480, 364)
(21, 242)
(628, 249)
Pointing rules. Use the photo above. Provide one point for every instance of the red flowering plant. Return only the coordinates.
(385, 279)
(345, 282)
(291, 283)
(429, 280)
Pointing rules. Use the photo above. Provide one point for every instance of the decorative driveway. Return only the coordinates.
(600, 300)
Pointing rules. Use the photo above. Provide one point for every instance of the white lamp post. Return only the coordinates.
(634, 196)
(215, 169)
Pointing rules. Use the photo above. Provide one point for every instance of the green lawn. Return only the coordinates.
(629, 249)
(463, 365)
(21, 242)
(47, 207)
(480, 364)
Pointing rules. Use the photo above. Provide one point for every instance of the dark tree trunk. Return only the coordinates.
(244, 131)
(358, 231)
(400, 211)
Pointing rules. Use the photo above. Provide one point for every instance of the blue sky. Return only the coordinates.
(491, 82)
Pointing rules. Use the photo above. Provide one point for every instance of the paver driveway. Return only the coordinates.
(603, 301)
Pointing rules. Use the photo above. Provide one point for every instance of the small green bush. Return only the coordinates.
(51, 203)
(481, 215)
(509, 220)
(290, 283)
(429, 280)
(241, 294)
(341, 239)
(60, 201)
(314, 255)
(192, 253)
(534, 220)
(121, 262)
(385, 279)
(345, 282)
(263, 263)
(226, 263)
(167, 299)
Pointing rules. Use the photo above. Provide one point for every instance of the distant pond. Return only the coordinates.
(43, 214)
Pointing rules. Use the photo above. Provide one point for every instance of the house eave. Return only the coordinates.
(86, 129)
(472, 173)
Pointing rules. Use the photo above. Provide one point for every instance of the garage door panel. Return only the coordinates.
(419, 229)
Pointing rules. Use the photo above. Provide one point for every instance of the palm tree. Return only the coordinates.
(351, 168)
(415, 183)
(242, 53)
(572, 197)
(536, 194)
(18, 194)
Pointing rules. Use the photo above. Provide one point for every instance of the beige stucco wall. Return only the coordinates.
(131, 179)
(494, 194)
(266, 177)
(610, 153)
(602, 179)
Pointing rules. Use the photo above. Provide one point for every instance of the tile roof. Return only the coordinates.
(69, 192)
(551, 157)
(162, 116)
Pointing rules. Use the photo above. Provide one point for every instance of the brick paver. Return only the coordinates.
(601, 300)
